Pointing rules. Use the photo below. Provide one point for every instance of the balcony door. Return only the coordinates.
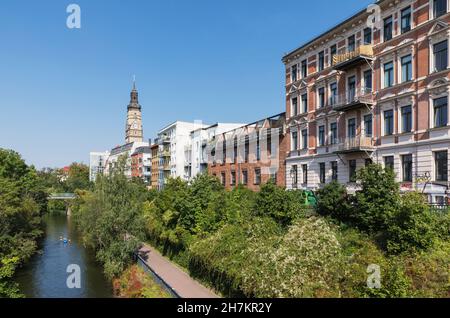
(351, 88)
(351, 128)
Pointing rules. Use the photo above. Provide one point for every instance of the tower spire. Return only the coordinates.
(134, 82)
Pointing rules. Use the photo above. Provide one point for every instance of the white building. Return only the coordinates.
(97, 163)
(123, 150)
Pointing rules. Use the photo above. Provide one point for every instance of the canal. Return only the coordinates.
(45, 275)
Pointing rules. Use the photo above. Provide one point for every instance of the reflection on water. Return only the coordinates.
(45, 275)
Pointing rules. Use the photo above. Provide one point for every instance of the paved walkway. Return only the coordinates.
(180, 281)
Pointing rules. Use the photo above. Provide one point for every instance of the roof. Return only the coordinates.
(303, 46)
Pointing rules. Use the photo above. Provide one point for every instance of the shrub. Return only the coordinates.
(378, 200)
(412, 226)
(334, 201)
(281, 205)
(303, 263)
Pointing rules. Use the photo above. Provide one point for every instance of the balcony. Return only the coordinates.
(353, 99)
(355, 144)
(346, 60)
(166, 166)
(165, 154)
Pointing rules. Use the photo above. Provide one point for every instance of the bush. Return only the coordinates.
(378, 200)
(303, 263)
(281, 205)
(333, 201)
(412, 226)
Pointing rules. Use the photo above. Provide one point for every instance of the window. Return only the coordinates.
(334, 171)
(322, 172)
(333, 93)
(274, 177)
(305, 139)
(304, 68)
(440, 112)
(406, 20)
(389, 162)
(333, 52)
(305, 174)
(233, 178)
(367, 36)
(439, 8)
(388, 74)
(406, 62)
(407, 168)
(368, 81)
(351, 128)
(387, 29)
(294, 104)
(294, 73)
(351, 86)
(441, 165)
(246, 148)
(269, 143)
(388, 122)
(295, 175)
(440, 53)
(223, 179)
(321, 97)
(294, 141)
(257, 176)
(351, 43)
(235, 149)
(368, 125)
(258, 147)
(406, 119)
(244, 177)
(352, 170)
(321, 61)
(333, 133)
(368, 162)
(224, 151)
(321, 136)
(305, 103)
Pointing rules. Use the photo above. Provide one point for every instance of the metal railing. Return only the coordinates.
(358, 95)
(355, 143)
(362, 50)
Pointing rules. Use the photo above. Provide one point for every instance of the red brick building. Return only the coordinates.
(250, 155)
(373, 92)
(141, 164)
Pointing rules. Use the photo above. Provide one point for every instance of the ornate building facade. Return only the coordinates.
(373, 89)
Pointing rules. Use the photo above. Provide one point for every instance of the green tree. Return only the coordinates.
(283, 206)
(413, 226)
(78, 178)
(22, 200)
(111, 221)
(333, 201)
(378, 200)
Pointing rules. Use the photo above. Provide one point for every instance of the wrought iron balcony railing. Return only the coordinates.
(353, 98)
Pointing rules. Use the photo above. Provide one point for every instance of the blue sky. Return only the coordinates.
(63, 93)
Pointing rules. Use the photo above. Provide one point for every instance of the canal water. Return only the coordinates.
(45, 275)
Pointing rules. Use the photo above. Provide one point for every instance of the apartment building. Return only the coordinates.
(373, 89)
(172, 141)
(155, 166)
(250, 155)
(125, 151)
(141, 164)
(196, 151)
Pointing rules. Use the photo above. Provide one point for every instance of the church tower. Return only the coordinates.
(133, 130)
